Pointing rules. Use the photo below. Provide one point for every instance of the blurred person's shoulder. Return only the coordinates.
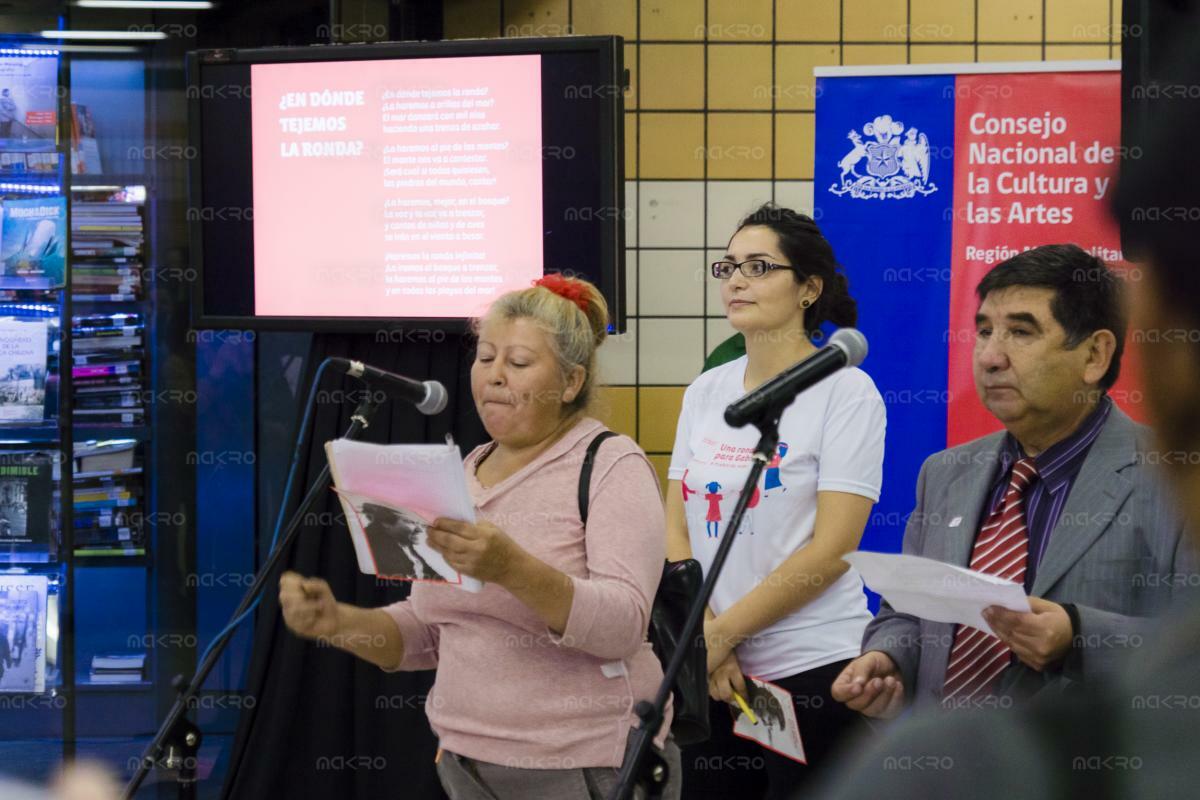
(1133, 737)
(936, 754)
(11, 789)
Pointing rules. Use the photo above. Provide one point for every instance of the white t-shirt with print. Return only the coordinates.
(831, 439)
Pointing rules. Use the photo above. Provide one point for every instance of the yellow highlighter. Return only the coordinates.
(741, 701)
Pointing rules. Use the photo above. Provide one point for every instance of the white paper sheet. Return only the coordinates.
(935, 590)
(419, 482)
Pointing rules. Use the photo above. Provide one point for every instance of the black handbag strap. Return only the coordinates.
(585, 474)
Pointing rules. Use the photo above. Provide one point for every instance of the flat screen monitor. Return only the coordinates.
(398, 184)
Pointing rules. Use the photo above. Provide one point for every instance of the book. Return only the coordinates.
(119, 661)
(106, 297)
(90, 552)
(23, 633)
(108, 473)
(107, 489)
(32, 243)
(85, 150)
(26, 486)
(29, 101)
(115, 676)
(91, 494)
(23, 352)
(89, 345)
(107, 537)
(110, 416)
(13, 163)
(96, 367)
(390, 494)
(114, 454)
(107, 234)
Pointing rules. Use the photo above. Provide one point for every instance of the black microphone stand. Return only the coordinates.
(177, 742)
(644, 767)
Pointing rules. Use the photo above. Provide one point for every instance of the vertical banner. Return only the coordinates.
(884, 180)
(1035, 162)
(923, 182)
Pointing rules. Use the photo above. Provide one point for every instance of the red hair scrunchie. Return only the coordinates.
(565, 287)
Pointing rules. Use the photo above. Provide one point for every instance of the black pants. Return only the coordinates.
(728, 766)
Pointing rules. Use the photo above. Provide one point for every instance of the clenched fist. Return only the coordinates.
(309, 608)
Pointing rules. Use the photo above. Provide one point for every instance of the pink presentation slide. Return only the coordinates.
(401, 188)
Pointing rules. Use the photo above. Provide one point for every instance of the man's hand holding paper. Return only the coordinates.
(935, 590)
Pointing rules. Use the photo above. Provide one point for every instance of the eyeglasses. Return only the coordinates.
(754, 268)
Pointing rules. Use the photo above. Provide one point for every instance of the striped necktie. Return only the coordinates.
(1001, 549)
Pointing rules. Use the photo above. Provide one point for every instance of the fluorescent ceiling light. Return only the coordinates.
(157, 5)
(99, 48)
(141, 36)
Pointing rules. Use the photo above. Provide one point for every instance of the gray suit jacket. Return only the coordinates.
(1118, 552)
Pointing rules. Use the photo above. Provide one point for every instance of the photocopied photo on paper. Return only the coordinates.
(391, 494)
(774, 724)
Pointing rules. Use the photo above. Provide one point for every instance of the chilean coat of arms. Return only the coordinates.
(897, 162)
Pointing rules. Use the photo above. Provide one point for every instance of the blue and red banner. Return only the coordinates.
(923, 182)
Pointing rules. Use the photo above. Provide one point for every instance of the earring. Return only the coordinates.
(804, 303)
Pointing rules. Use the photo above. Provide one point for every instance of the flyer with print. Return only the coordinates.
(775, 726)
(390, 495)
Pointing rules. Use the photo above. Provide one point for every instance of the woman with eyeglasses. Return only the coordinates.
(786, 609)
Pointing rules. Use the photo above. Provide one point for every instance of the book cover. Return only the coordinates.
(23, 633)
(32, 243)
(28, 102)
(22, 369)
(12, 163)
(26, 485)
(85, 150)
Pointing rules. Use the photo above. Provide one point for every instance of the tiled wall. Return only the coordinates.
(719, 118)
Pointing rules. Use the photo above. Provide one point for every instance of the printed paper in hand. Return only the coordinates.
(390, 494)
(776, 729)
(935, 590)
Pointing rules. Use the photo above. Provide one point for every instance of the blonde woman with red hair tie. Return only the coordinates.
(538, 674)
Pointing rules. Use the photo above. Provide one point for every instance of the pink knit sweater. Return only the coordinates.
(510, 692)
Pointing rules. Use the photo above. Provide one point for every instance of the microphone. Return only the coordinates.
(847, 348)
(428, 396)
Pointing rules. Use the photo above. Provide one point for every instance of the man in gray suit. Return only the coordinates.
(1063, 499)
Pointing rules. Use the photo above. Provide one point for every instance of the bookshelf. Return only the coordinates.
(86, 456)
(35, 437)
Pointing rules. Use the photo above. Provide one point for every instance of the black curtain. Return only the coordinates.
(324, 724)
